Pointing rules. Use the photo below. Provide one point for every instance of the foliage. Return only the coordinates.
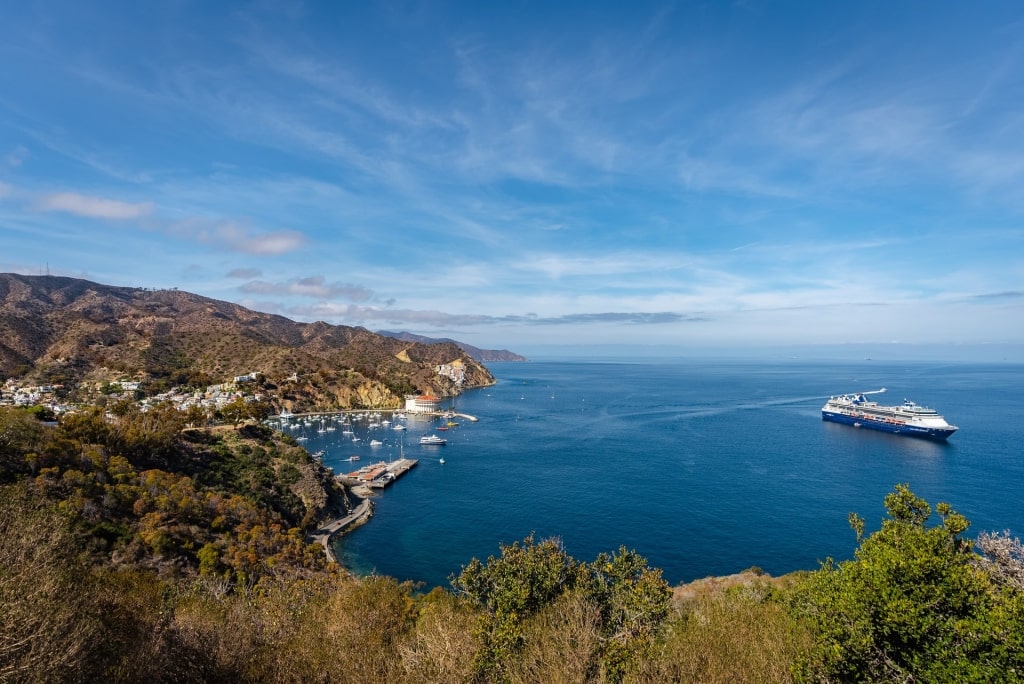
(40, 591)
(629, 602)
(235, 411)
(21, 437)
(743, 633)
(225, 510)
(912, 606)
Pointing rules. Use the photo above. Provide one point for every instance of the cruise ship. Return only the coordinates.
(906, 419)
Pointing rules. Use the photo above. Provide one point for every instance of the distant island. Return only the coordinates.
(482, 355)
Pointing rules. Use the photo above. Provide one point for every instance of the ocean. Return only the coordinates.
(705, 467)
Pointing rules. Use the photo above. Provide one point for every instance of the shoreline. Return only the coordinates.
(433, 414)
(325, 534)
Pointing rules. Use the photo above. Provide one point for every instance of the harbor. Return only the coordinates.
(284, 416)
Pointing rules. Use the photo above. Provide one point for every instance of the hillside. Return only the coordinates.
(143, 492)
(482, 355)
(67, 331)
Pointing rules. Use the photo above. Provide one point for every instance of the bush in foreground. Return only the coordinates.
(913, 606)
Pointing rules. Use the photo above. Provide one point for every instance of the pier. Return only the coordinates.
(377, 475)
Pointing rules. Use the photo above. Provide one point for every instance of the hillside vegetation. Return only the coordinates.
(67, 331)
(132, 550)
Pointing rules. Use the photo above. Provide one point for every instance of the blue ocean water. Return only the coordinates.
(704, 467)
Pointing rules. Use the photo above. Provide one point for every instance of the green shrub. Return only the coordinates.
(912, 606)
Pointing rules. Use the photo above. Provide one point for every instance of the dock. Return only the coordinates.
(395, 470)
(378, 475)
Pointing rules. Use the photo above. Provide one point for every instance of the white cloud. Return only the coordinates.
(268, 243)
(240, 238)
(95, 207)
(313, 286)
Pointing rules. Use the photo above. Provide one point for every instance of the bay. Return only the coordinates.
(705, 467)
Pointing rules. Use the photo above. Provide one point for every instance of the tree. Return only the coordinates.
(630, 601)
(235, 411)
(20, 433)
(912, 605)
(633, 600)
(258, 410)
(195, 416)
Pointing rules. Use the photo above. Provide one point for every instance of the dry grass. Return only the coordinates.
(728, 629)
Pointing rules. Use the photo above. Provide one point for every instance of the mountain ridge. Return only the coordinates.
(482, 355)
(56, 329)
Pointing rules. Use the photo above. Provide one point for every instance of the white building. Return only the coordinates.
(455, 371)
(422, 403)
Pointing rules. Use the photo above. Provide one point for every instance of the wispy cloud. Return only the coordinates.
(313, 286)
(636, 317)
(357, 315)
(237, 236)
(1009, 295)
(17, 156)
(558, 266)
(95, 207)
(532, 178)
(244, 273)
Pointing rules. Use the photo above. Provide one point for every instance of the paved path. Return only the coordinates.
(323, 536)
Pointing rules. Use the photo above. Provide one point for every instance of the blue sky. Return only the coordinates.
(520, 174)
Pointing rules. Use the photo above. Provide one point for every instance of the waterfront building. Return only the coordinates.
(422, 403)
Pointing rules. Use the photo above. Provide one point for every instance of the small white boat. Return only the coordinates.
(441, 461)
(376, 442)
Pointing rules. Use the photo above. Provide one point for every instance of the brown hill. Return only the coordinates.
(70, 331)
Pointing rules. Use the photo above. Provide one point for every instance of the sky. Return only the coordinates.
(532, 175)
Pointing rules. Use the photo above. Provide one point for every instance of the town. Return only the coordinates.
(239, 396)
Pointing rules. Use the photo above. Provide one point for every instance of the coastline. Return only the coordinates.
(325, 534)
